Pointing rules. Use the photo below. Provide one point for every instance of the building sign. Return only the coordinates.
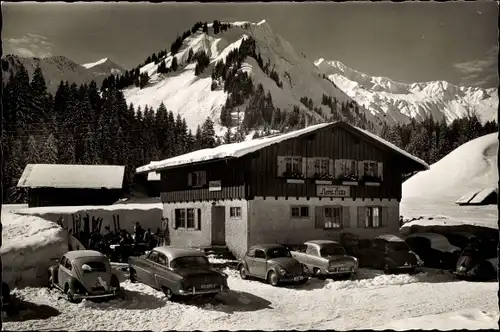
(215, 186)
(333, 191)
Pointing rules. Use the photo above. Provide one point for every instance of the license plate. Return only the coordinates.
(297, 278)
(208, 286)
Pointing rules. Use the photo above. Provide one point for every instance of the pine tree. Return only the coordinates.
(49, 153)
(32, 151)
(40, 95)
(228, 137)
(174, 64)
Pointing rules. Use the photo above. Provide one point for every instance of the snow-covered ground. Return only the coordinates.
(432, 193)
(374, 300)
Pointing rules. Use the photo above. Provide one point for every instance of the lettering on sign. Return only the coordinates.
(215, 186)
(333, 191)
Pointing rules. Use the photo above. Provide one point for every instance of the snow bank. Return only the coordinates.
(148, 212)
(432, 193)
(467, 319)
(29, 246)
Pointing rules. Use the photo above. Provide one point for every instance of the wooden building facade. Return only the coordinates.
(72, 185)
(310, 184)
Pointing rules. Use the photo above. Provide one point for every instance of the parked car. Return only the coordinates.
(84, 274)
(477, 262)
(434, 249)
(121, 252)
(461, 239)
(326, 258)
(387, 252)
(273, 263)
(8, 305)
(178, 272)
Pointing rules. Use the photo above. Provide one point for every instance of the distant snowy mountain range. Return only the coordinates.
(194, 97)
(59, 68)
(401, 102)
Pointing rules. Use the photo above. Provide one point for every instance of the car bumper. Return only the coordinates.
(294, 278)
(94, 296)
(221, 289)
(340, 272)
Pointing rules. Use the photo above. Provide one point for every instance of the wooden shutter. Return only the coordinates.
(304, 166)
(281, 165)
(346, 217)
(198, 219)
(310, 167)
(380, 169)
(318, 222)
(190, 179)
(331, 168)
(361, 216)
(384, 216)
(203, 178)
(361, 168)
(338, 167)
(174, 223)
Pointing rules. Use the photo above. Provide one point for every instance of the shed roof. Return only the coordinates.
(477, 196)
(72, 176)
(236, 150)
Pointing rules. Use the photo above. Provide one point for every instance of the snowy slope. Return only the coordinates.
(400, 101)
(471, 166)
(59, 68)
(191, 96)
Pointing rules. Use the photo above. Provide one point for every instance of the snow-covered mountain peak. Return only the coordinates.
(93, 64)
(402, 101)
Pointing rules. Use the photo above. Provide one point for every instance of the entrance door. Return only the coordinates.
(218, 225)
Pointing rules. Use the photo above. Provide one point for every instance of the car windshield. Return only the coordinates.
(96, 266)
(332, 250)
(189, 262)
(397, 246)
(278, 252)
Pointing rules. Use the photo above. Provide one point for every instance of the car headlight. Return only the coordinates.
(282, 271)
(356, 261)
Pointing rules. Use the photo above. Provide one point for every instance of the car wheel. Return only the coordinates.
(273, 279)
(115, 282)
(133, 275)
(168, 293)
(486, 272)
(303, 281)
(243, 272)
(317, 274)
(70, 295)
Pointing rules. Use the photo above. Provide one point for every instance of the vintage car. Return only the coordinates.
(274, 263)
(84, 274)
(326, 258)
(461, 239)
(387, 252)
(434, 249)
(178, 272)
(477, 262)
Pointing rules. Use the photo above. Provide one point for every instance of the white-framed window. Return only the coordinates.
(197, 179)
(300, 211)
(293, 164)
(188, 218)
(235, 212)
(373, 217)
(321, 166)
(347, 168)
(332, 217)
(370, 168)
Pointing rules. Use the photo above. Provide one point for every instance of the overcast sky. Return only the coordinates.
(408, 42)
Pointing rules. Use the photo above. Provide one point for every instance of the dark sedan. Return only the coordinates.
(274, 263)
(178, 272)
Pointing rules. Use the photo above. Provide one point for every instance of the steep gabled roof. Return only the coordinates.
(72, 176)
(236, 150)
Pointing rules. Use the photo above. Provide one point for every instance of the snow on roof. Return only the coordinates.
(390, 238)
(153, 176)
(482, 195)
(72, 176)
(236, 150)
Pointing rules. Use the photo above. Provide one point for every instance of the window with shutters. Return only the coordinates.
(300, 211)
(373, 216)
(321, 167)
(235, 212)
(197, 179)
(372, 170)
(348, 169)
(186, 218)
(332, 217)
(293, 168)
